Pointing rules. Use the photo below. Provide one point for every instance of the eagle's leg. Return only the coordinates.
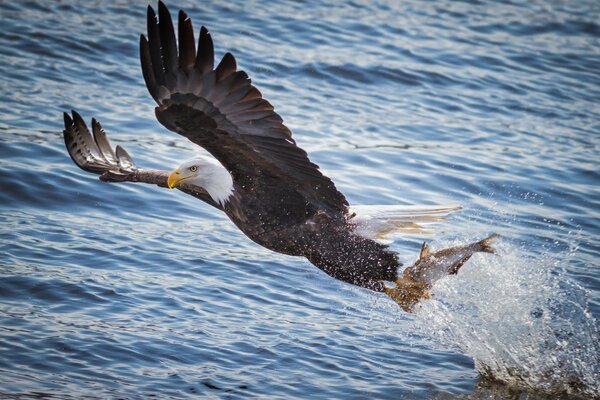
(407, 293)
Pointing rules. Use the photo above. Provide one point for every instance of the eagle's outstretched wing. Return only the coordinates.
(220, 110)
(93, 152)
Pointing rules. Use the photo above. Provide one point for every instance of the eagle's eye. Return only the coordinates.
(193, 168)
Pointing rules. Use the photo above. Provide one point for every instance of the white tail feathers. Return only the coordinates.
(382, 221)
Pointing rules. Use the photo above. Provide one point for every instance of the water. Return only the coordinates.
(130, 291)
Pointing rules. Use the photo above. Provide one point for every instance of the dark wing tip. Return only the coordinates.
(76, 116)
(187, 43)
(162, 6)
(226, 67)
(205, 57)
(68, 120)
(150, 17)
(163, 12)
(148, 68)
(168, 43)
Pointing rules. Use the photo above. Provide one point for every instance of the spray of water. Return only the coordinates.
(522, 321)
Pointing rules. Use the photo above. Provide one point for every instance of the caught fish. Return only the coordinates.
(418, 279)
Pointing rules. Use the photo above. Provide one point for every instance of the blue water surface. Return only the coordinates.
(130, 291)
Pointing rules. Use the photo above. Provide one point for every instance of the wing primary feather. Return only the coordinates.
(154, 48)
(235, 81)
(167, 38)
(85, 135)
(81, 146)
(147, 68)
(241, 80)
(205, 59)
(68, 120)
(71, 141)
(125, 160)
(103, 142)
(187, 43)
(226, 67)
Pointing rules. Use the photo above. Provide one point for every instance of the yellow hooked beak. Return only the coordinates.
(174, 179)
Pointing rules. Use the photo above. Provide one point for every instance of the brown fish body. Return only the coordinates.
(415, 282)
(431, 267)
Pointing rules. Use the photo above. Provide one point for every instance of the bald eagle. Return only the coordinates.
(259, 177)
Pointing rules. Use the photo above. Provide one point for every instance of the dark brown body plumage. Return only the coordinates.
(329, 243)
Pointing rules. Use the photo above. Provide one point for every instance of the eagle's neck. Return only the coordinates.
(218, 183)
(210, 175)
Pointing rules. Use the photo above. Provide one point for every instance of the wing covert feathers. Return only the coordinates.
(220, 110)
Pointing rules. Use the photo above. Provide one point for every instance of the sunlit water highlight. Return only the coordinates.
(126, 291)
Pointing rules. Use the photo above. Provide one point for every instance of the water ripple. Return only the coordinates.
(111, 291)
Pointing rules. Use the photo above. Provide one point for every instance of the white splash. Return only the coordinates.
(522, 322)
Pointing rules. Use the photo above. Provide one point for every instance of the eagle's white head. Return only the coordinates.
(207, 173)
